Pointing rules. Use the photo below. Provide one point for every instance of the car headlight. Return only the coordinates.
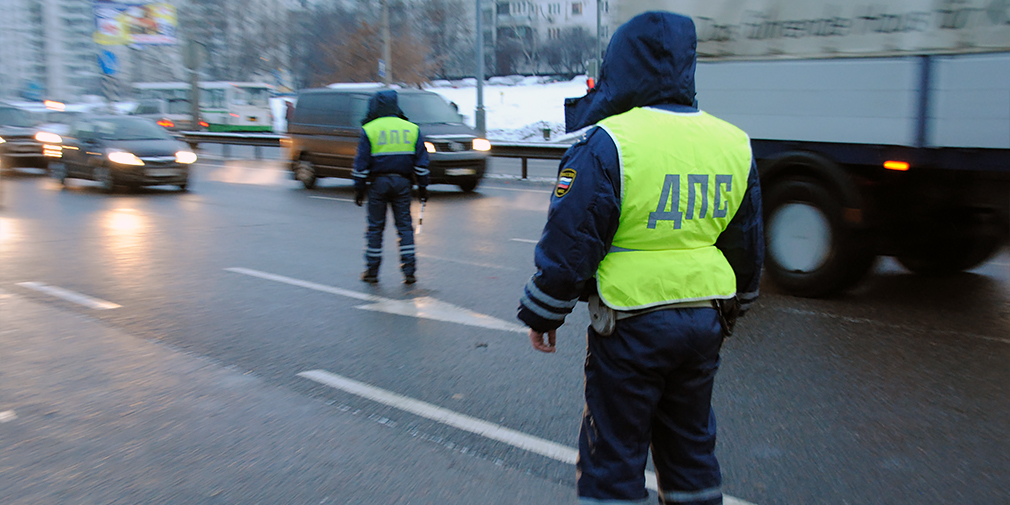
(481, 145)
(2, 140)
(186, 157)
(428, 146)
(125, 158)
(48, 138)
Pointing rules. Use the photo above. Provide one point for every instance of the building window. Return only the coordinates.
(503, 8)
(554, 8)
(576, 8)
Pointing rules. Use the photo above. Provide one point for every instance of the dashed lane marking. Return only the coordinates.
(424, 307)
(332, 198)
(464, 422)
(902, 327)
(525, 240)
(70, 296)
(464, 262)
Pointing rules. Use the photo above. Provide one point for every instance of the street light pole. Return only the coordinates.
(386, 66)
(479, 119)
(599, 41)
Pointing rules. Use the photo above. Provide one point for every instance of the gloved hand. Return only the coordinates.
(359, 197)
(422, 193)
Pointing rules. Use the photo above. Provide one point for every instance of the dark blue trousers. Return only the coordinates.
(650, 385)
(393, 191)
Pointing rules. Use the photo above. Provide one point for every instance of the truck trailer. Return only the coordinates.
(879, 128)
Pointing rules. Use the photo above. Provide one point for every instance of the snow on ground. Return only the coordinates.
(516, 108)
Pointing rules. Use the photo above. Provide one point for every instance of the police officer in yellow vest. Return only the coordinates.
(390, 156)
(656, 221)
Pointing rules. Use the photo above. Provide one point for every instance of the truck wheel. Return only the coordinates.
(58, 171)
(810, 251)
(468, 185)
(306, 173)
(956, 254)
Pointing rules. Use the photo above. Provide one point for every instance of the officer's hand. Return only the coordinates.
(422, 194)
(537, 339)
(359, 198)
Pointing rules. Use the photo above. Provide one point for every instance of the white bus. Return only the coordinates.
(224, 106)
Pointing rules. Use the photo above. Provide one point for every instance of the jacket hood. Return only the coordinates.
(650, 60)
(382, 104)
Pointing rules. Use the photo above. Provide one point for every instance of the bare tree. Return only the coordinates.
(447, 30)
(568, 53)
(355, 59)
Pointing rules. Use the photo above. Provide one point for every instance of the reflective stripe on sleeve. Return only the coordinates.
(540, 311)
(548, 300)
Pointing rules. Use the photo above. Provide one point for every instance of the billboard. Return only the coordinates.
(834, 28)
(120, 23)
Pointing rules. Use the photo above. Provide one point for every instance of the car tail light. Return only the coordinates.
(167, 123)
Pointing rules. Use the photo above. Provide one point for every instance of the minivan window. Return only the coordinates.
(427, 108)
(329, 109)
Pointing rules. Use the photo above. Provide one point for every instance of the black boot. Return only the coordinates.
(370, 276)
(409, 279)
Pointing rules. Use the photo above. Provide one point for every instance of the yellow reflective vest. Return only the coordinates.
(391, 135)
(684, 175)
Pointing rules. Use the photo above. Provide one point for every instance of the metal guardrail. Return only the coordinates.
(257, 140)
(522, 150)
(527, 151)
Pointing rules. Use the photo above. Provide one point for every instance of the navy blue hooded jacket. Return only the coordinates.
(650, 62)
(383, 104)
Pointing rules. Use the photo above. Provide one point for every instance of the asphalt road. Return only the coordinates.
(192, 369)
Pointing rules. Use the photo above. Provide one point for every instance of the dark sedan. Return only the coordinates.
(21, 143)
(123, 150)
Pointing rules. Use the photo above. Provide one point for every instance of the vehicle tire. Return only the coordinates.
(469, 185)
(306, 173)
(58, 171)
(184, 186)
(951, 252)
(105, 179)
(810, 252)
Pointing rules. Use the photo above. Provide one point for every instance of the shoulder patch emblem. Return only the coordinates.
(565, 180)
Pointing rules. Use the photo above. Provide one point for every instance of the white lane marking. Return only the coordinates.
(423, 307)
(8, 416)
(464, 262)
(430, 308)
(517, 189)
(464, 422)
(525, 240)
(861, 320)
(331, 198)
(70, 296)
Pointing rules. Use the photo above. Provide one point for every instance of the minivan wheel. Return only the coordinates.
(306, 173)
(468, 185)
(58, 171)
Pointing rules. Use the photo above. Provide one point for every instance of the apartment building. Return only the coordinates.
(528, 35)
(46, 49)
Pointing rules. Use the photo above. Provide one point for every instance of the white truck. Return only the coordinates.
(880, 127)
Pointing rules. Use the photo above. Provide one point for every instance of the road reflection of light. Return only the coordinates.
(124, 240)
(9, 232)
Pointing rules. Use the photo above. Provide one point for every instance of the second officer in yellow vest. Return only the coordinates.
(390, 156)
(656, 220)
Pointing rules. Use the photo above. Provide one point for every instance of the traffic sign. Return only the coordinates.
(108, 62)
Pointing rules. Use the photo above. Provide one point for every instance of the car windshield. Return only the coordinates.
(424, 108)
(130, 129)
(9, 116)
